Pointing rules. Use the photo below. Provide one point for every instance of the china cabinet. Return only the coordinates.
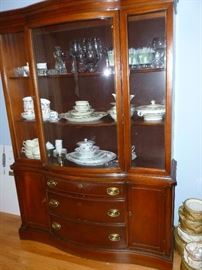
(88, 91)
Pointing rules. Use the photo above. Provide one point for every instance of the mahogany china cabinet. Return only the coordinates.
(88, 91)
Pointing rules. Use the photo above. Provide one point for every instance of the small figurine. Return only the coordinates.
(59, 62)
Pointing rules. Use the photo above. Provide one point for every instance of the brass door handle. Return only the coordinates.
(113, 191)
(56, 226)
(113, 213)
(114, 237)
(52, 183)
(53, 203)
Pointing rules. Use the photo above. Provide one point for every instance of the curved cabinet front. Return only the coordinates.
(91, 209)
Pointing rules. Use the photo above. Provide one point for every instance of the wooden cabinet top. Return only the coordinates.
(14, 20)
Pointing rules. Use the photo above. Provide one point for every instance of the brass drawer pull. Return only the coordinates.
(53, 203)
(56, 226)
(113, 213)
(52, 183)
(114, 237)
(113, 191)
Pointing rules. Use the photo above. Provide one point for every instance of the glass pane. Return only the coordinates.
(75, 68)
(147, 62)
(19, 95)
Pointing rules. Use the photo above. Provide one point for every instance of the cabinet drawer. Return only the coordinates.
(83, 208)
(87, 187)
(88, 233)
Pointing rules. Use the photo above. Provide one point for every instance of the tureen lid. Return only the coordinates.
(152, 108)
(86, 142)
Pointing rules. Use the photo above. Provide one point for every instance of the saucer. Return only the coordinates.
(76, 113)
(28, 116)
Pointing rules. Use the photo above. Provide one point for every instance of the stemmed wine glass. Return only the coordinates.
(159, 46)
(86, 52)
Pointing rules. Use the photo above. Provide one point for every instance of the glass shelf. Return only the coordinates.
(19, 77)
(156, 163)
(71, 75)
(145, 70)
(141, 122)
(105, 122)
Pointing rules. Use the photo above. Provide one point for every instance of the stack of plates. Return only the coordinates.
(188, 234)
(98, 158)
(89, 116)
(189, 228)
(192, 257)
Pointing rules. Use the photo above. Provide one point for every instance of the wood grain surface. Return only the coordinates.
(19, 254)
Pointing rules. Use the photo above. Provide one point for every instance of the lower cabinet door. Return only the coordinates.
(150, 218)
(32, 198)
(94, 234)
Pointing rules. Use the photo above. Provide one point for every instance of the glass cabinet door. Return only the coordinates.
(19, 97)
(77, 89)
(147, 83)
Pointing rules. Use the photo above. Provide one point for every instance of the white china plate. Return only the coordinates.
(100, 158)
(94, 155)
(194, 205)
(186, 237)
(78, 114)
(89, 118)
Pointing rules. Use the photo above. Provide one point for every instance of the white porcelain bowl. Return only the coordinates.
(113, 114)
(151, 112)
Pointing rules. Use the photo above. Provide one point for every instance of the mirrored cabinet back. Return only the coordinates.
(88, 92)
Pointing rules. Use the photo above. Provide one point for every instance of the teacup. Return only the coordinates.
(82, 105)
(28, 104)
(49, 146)
(81, 102)
(46, 115)
(45, 104)
(42, 69)
(31, 143)
(26, 150)
(53, 116)
(58, 146)
(36, 151)
(25, 70)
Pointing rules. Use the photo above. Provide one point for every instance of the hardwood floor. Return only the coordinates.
(16, 254)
